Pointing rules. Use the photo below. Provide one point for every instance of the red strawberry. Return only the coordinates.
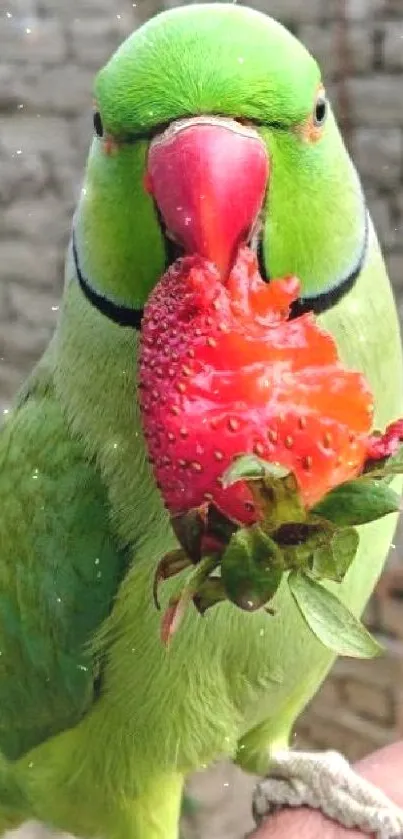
(385, 445)
(223, 372)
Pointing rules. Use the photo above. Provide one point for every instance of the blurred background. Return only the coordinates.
(49, 52)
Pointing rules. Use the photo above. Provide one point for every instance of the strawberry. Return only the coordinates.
(381, 446)
(224, 372)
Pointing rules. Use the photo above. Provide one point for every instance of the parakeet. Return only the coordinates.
(100, 724)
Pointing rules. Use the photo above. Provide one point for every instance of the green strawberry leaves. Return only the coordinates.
(178, 604)
(189, 530)
(171, 564)
(251, 568)
(332, 623)
(245, 565)
(248, 467)
(332, 560)
(274, 489)
(358, 502)
(210, 592)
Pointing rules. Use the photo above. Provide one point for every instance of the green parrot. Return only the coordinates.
(100, 725)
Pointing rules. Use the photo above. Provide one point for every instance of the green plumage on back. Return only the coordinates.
(99, 725)
(59, 572)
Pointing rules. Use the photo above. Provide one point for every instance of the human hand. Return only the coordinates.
(383, 768)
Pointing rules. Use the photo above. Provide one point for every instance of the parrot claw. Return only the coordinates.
(326, 781)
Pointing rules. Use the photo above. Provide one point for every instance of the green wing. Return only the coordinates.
(60, 568)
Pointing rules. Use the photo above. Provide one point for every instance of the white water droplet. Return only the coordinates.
(28, 30)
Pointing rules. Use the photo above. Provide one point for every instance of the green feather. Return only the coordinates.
(59, 571)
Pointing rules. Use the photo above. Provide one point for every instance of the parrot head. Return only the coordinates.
(213, 130)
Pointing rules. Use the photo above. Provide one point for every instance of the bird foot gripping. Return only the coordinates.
(326, 781)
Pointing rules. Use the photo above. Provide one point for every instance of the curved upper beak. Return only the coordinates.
(208, 177)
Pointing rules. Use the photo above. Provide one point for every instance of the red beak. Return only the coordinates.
(208, 176)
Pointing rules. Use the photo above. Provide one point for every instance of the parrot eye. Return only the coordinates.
(320, 111)
(99, 129)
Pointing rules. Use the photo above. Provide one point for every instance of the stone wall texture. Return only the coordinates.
(49, 52)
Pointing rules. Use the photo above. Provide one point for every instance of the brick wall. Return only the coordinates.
(49, 51)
